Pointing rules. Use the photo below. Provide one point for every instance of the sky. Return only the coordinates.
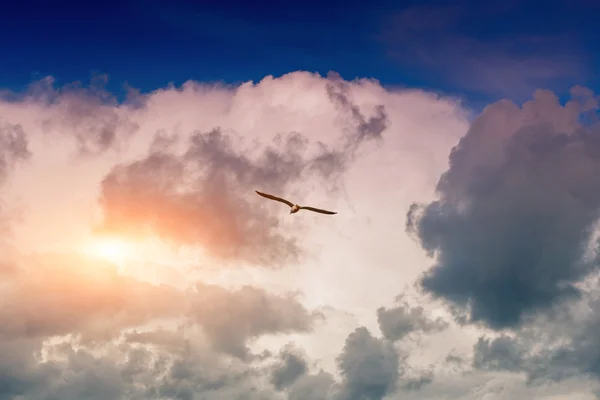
(483, 50)
(458, 142)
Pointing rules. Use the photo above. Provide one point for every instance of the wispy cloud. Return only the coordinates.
(464, 46)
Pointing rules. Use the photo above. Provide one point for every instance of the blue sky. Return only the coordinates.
(482, 51)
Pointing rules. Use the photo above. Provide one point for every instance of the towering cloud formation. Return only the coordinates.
(203, 194)
(187, 163)
(516, 209)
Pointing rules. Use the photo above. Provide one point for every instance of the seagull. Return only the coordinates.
(294, 207)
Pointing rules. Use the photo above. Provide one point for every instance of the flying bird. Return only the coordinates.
(294, 207)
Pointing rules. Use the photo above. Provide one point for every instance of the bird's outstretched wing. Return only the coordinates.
(318, 210)
(270, 196)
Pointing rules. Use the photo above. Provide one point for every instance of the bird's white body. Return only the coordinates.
(295, 209)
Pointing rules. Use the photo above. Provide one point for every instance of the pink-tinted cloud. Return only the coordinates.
(205, 194)
(57, 295)
(88, 298)
(203, 197)
(74, 328)
(91, 115)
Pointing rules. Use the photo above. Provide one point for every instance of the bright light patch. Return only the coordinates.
(113, 250)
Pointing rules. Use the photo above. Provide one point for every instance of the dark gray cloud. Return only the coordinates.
(456, 363)
(125, 371)
(370, 369)
(368, 366)
(319, 386)
(398, 322)
(516, 354)
(557, 347)
(414, 384)
(515, 210)
(291, 366)
(501, 353)
(18, 367)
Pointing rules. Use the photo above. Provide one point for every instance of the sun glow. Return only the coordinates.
(111, 249)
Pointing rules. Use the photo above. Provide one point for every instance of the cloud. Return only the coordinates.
(551, 348)
(90, 298)
(417, 383)
(291, 367)
(369, 367)
(104, 343)
(516, 209)
(319, 386)
(87, 306)
(53, 295)
(314, 127)
(398, 322)
(231, 318)
(127, 371)
(91, 114)
(201, 195)
(13, 148)
(363, 128)
(181, 166)
(501, 353)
